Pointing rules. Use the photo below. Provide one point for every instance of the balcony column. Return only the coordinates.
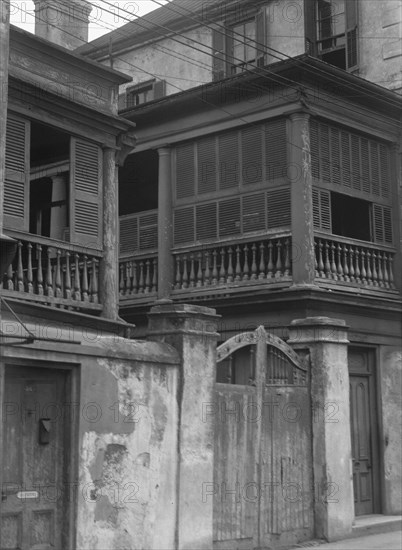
(299, 173)
(165, 224)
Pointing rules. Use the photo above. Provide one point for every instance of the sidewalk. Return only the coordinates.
(380, 541)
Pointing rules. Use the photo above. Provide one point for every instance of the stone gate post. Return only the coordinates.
(326, 340)
(192, 331)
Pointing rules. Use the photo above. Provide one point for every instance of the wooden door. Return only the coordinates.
(35, 489)
(363, 433)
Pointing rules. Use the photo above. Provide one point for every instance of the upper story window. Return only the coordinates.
(142, 93)
(243, 38)
(331, 31)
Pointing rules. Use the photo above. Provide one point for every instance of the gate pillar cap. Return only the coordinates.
(318, 329)
(326, 321)
(167, 309)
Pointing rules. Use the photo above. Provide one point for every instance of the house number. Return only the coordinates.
(28, 494)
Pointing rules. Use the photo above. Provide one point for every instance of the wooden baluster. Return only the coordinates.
(391, 270)
(147, 276)
(29, 270)
(141, 282)
(154, 275)
(20, 269)
(287, 258)
(357, 265)
(178, 272)
(192, 271)
(214, 267)
(122, 284)
(207, 273)
(49, 275)
(238, 265)
(278, 266)
(334, 271)
(338, 262)
(94, 283)
(327, 264)
(253, 262)
(385, 270)
(380, 274)
(316, 273)
(321, 272)
(67, 278)
(351, 264)
(363, 264)
(230, 265)
(222, 268)
(345, 263)
(77, 278)
(270, 261)
(57, 277)
(369, 271)
(374, 269)
(185, 273)
(261, 267)
(10, 282)
(246, 268)
(134, 284)
(39, 277)
(199, 270)
(84, 285)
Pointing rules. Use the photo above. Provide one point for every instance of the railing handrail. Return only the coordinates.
(53, 243)
(354, 242)
(144, 254)
(138, 214)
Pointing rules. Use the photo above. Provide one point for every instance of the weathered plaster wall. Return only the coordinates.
(285, 29)
(380, 41)
(127, 449)
(390, 385)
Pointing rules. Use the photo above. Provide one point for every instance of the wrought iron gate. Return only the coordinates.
(263, 489)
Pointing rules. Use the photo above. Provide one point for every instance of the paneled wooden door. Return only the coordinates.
(262, 458)
(363, 420)
(34, 512)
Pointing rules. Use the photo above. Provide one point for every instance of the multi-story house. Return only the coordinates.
(269, 189)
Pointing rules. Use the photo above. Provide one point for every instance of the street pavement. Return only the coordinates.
(381, 541)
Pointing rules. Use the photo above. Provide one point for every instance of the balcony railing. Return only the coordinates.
(139, 275)
(52, 272)
(342, 260)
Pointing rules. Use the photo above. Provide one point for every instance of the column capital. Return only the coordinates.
(126, 142)
(164, 150)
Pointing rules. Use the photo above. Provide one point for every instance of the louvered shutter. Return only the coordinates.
(159, 89)
(385, 171)
(355, 155)
(16, 184)
(261, 37)
(148, 231)
(365, 158)
(382, 224)
(86, 193)
(322, 210)
(375, 169)
(206, 221)
(351, 16)
(219, 57)
(346, 165)
(229, 217)
(229, 168)
(252, 161)
(335, 161)
(254, 213)
(275, 150)
(128, 234)
(278, 208)
(325, 155)
(184, 225)
(206, 165)
(185, 171)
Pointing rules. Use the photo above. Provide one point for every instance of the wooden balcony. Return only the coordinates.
(53, 273)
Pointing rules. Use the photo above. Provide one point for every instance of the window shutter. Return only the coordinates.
(351, 16)
(148, 231)
(218, 51)
(253, 213)
(346, 166)
(159, 89)
(228, 147)
(382, 224)
(184, 225)
(355, 154)
(275, 150)
(185, 171)
(206, 163)
(325, 155)
(251, 144)
(278, 208)
(128, 234)
(322, 210)
(229, 217)
(375, 169)
(206, 225)
(335, 157)
(385, 171)
(310, 18)
(261, 37)
(365, 156)
(86, 193)
(16, 184)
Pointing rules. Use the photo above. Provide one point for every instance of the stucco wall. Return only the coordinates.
(390, 383)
